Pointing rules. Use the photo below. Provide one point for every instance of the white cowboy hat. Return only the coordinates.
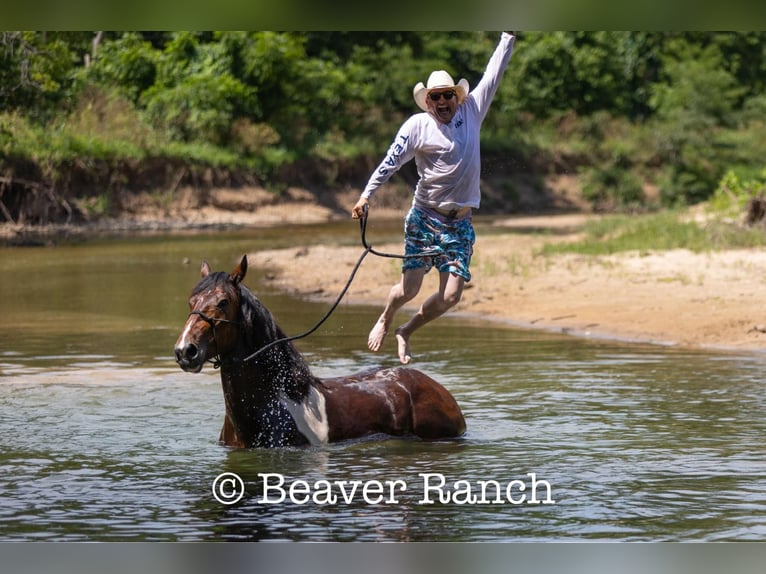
(439, 80)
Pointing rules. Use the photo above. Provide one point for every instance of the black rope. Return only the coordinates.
(322, 320)
(363, 226)
(363, 229)
(367, 249)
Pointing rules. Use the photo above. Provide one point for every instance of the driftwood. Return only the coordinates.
(756, 211)
(39, 191)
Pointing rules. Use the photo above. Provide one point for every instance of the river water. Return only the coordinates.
(103, 438)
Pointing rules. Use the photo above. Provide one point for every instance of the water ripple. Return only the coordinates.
(634, 445)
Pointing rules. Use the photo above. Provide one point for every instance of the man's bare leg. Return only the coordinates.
(450, 291)
(404, 291)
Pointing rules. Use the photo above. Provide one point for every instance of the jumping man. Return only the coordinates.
(444, 140)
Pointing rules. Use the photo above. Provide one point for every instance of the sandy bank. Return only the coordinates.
(709, 300)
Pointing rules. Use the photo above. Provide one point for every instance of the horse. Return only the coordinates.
(273, 400)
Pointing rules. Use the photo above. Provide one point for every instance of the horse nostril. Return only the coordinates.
(190, 352)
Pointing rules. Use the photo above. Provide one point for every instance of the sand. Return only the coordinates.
(696, 300)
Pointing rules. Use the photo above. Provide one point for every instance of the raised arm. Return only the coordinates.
(485, 90)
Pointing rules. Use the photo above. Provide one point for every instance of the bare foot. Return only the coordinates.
(403, 342)
(377, 335)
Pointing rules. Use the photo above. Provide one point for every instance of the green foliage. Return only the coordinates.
(734, 192)
(693, 106)
(18, 137)
(583, 72)
(698, 91)
(195, 96)
(35, 70)
(127, 63)
(199, 108)
(624, 110)
(107, 116)
(87, 135)
(671, 229)
(664, 230)
(612, 151)
(613, 187)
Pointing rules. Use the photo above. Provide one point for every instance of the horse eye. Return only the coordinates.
(223, 303)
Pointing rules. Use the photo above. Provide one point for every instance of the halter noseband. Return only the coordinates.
(212, 320)
(215, 361)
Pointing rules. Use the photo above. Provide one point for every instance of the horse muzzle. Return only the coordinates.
(190, 357)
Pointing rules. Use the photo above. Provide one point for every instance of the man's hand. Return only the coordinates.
(358, 211)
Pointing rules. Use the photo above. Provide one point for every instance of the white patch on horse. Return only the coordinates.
(310, 416)
(182, 340)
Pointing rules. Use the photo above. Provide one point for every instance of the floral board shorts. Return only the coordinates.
(446, 245)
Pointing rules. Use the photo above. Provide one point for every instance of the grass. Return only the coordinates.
(658, 232)
(70, 141)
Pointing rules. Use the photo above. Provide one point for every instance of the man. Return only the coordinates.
(444, 141)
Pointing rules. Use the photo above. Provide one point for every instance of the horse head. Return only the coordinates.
(213, 324)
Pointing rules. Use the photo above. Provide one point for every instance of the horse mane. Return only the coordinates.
(256, 317)
(260, 328)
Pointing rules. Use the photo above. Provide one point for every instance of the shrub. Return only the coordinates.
(735, 196)
(612, 188)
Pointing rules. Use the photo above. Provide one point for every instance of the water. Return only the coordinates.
(103, 438)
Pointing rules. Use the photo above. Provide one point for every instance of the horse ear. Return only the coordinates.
(204, 270)
(239, 271)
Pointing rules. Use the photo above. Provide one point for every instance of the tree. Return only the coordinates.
(695, 99)
(195, 96)
(36, 70)
(127, 62)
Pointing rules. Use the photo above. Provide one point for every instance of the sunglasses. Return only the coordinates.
(436, 95)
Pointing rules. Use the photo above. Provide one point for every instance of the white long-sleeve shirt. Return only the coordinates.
(446, 155)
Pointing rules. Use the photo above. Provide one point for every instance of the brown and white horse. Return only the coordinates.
(273, 400)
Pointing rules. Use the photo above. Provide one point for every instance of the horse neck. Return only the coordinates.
(280, 369)
(254, 390)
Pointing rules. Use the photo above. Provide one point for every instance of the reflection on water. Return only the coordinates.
(103, 438)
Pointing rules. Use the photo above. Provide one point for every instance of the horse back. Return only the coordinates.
(396, 401)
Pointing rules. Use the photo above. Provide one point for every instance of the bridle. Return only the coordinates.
(212, 321)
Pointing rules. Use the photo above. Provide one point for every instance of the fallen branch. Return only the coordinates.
(6, 213)
(37, 187)
(756, 210)
(25, 182)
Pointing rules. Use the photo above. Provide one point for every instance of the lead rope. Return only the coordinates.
(367, 249)
(322, 320)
